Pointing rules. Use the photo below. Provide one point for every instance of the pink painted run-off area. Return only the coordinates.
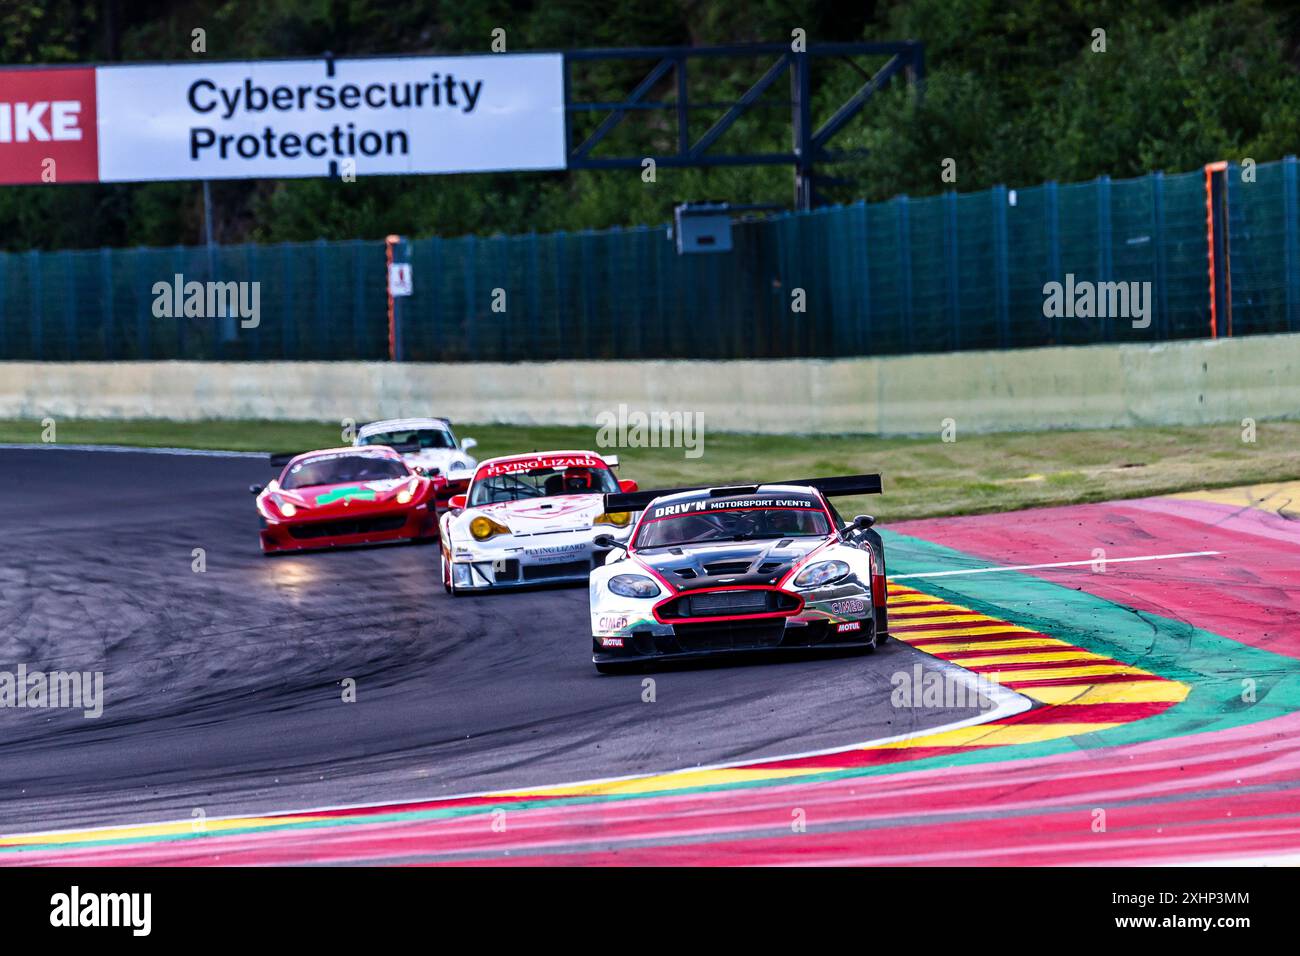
(1215, 796)
(1250, 592)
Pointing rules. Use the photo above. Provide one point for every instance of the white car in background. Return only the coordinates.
(427, 443)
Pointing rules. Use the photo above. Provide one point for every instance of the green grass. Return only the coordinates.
(923, 477)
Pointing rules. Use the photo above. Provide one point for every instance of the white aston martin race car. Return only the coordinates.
(739, 568)
(532, 519)
(426, 443)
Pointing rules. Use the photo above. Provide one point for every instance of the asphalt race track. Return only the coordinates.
(223, 688)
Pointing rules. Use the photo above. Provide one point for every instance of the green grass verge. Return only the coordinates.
(924, 477)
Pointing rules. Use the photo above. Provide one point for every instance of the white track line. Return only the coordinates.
(1054, 564)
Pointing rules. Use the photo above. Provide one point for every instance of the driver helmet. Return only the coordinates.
(578, 479)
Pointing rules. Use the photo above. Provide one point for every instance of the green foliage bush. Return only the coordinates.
(1015, 94)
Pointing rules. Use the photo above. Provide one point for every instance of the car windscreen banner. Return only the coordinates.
(282, 118)
(516, 466)
(708, 505)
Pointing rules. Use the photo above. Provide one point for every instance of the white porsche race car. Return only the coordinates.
(532, 519)
(429, 444)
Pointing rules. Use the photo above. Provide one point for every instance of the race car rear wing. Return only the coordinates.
(280, 459)
(837, 486)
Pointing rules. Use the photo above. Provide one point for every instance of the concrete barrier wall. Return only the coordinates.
(1173, 383)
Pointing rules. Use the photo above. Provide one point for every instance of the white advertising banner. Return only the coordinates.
(286, 118)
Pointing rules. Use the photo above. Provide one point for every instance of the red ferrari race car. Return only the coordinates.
(346, 496)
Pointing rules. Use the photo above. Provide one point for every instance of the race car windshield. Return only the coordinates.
(543, 483)
(425, 437)
(345, 468)
(739, 524)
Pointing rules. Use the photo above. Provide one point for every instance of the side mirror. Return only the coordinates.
(863, 522)
(467, 444)
(456, 502)
(627, 486)
(256, 489)
(607, 541)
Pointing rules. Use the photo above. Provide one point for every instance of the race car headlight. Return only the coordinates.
(483, 528)
(617, 518)
(288, 509)
(457, 465)
(633, 586)
(819, 574)
(406, 494)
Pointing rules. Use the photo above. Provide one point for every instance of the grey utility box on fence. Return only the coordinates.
(702, 227)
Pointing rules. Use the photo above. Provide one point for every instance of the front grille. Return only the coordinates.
(505, 570)
(338, 529)
(728, 602)
(740, 635)
(725, 603)
(565, 569)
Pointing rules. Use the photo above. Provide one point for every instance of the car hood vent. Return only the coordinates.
(728, 564)
(727, 567)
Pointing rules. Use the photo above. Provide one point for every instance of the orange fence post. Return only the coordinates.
(389, 242)
(1216, 238)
